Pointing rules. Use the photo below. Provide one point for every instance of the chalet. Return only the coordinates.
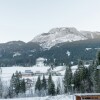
(88, 96)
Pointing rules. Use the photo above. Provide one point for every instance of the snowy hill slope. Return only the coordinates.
(63, 34)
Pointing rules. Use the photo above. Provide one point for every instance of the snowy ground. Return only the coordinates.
(59, 97)
(8, 71)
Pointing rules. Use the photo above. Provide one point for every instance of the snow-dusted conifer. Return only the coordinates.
(67, 79)
(51, 86)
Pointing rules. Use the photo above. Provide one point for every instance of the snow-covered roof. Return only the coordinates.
(88, 94)
(40, 59)
(59, 68)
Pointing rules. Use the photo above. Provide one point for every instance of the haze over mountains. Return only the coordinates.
(65, 45)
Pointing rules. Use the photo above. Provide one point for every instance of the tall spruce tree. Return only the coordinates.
(91, 77)
(22, 86)
(81, 73)
(97, 73)
(44, 83)
(67, 79)
(12, 87)
(38, 84)
(17, 83)
(51, 86)
(44, 86)
(98, 58)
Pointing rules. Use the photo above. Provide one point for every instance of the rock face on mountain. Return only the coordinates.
(61, 35)
(91, 35)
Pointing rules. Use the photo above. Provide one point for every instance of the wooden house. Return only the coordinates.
(88, 96)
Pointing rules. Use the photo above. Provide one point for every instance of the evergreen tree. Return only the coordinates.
(67, 79)
(76, 81)
(91, 77)
(23, 86)
(82, 79)
(17, 83)
(51, 86)
(82, 74)
(44, 83)
(96, 74)
(12, 87)
(38, 84)
(98, 58)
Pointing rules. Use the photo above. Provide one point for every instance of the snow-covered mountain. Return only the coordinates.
(63, 34)
(91, 35)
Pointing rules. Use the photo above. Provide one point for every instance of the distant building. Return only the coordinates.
(27, 73)
(40, 62)
(87, 62)
(88, 96)
(38, 73)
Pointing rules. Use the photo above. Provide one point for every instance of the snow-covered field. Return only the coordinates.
(7, 73)
(59, 97)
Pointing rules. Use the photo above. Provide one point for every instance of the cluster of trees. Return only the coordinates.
(46, 87)
(17, 85)
(85, 79)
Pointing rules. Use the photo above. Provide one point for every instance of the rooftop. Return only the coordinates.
(88, 94)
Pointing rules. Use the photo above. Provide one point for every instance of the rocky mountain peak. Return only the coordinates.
(63, 34)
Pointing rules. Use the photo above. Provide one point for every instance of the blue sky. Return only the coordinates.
(24, 19)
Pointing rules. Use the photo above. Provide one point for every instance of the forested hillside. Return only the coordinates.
(25, 54)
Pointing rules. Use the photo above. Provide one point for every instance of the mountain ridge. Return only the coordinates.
(63, 34)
